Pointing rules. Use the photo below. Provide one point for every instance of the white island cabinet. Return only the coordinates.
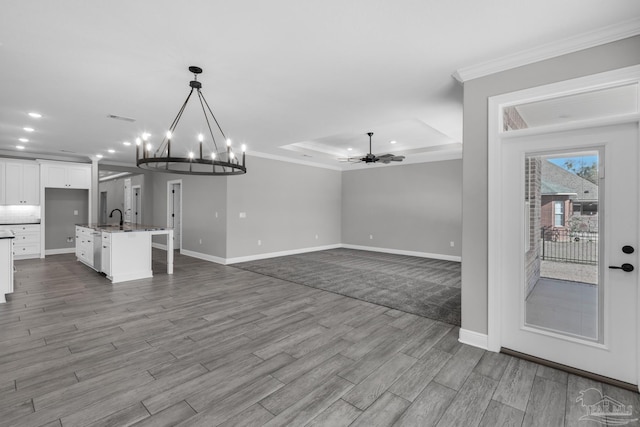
(6, 263)
(122, 253)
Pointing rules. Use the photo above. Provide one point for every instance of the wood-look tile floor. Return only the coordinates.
(214, 345)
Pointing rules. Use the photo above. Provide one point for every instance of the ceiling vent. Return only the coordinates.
(124, 119)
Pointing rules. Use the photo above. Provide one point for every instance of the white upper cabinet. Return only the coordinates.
(2, 166)
(21, 183)
(66, 175)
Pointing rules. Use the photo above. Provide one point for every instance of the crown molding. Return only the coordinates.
(292, 160)
(582, 41)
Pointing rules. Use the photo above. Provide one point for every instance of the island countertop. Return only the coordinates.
(127, 227)
(7, 234)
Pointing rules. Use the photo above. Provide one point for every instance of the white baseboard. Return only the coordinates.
(145, 274)
(281, 253)
(204, 257)
(59, 251)
(235, 260)
(403, 252)
(474, 339)
(161, 246)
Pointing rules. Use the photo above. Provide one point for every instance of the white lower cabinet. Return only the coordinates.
(6, 267)
(106, 253)
(84, 245)
(27, 241)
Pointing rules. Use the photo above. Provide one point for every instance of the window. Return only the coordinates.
(558, 214)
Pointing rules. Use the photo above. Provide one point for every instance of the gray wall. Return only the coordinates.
(115, 198)
(286, 206)
(476, 92)
(140, 176)
(202, 197)
(59, 218)
(414, 207)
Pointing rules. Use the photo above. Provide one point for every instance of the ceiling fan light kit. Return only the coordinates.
(213, 161)
(372, 158)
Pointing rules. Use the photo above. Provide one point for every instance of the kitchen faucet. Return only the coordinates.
(111, 216)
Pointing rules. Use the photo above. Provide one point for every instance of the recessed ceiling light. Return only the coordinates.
(35, 115)
(393, 142)
(111, 151)
(99, 156)
(127, 143)
(349, 149)
(28, 129)
(23, 140)
(20, 147)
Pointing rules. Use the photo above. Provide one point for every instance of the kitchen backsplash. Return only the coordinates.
(19, 214)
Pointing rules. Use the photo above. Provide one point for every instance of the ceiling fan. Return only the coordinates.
(372, 158)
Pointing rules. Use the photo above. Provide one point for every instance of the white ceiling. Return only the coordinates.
(298, 79)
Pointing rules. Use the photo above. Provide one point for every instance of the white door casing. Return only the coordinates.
(174, 211)
(127, 200)
(136, 203)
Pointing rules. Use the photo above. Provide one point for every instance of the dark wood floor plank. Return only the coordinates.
(296, 389)
(383, 412)
(254, 415)
(234, 404)
(459, 366)
(340, 414)
(169, 417)
(113, 404)
(574, 409)
(546, 405)
(376, 384)
(415, 379)
(470, 403)
(428, 407)
(204, 399)
(215, 344)
(122, 418)
(309, 361)
(311, 405)
(516, 383)
(499, 414)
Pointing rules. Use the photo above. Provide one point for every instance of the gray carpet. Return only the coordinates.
(422, 286)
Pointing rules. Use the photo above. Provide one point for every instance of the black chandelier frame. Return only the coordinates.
(224, 163)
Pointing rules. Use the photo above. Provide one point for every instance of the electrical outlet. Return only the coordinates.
(452, 244)
(370, 236)
(216, 214)
(242, 215)
(316, 237)
(200, 241)
(75, 212)
(259, 242)
(69, 239)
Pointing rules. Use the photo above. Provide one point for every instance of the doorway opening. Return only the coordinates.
(174, 211)
(136, 194)
(103, 207)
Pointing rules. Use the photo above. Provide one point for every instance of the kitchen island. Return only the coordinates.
(122, 253)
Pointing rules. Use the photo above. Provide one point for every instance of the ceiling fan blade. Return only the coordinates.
(397, 158)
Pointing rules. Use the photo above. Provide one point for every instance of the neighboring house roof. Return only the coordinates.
(557, 180)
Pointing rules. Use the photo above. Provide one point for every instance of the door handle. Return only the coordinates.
(625, 267)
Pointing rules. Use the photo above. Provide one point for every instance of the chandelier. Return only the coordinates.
(209, 160)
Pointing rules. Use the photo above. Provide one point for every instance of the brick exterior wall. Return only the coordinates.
(512, 120)
(533, 196)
